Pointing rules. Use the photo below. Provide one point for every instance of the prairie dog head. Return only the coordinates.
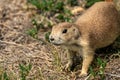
(64, 33)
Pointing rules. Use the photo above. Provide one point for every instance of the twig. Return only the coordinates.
(112, 74)
(88, 77)
(13, 43)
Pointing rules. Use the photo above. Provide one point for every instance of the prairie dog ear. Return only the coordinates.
(75, 28)
(76, 31)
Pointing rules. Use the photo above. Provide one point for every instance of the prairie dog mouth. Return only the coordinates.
(54, 42)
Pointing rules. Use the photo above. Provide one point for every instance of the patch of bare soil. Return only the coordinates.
(16, 47)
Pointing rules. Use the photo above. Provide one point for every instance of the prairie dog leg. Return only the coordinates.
(71, 61)
(88, 56)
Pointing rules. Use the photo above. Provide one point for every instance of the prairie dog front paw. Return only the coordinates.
(68, 66)
(83, 74)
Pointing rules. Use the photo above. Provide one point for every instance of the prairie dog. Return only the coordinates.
(98, 27)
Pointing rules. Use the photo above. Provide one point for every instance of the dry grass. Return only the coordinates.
(47, 60)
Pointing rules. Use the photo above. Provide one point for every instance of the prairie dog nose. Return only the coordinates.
(51, 38)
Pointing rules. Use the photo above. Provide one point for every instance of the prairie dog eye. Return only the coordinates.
(64, 31)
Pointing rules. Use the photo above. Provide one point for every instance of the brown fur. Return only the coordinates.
(98, 27)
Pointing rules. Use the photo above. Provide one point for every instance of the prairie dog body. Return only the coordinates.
(98, 27)
(101, 23)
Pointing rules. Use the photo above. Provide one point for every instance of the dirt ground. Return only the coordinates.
(16, 47)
